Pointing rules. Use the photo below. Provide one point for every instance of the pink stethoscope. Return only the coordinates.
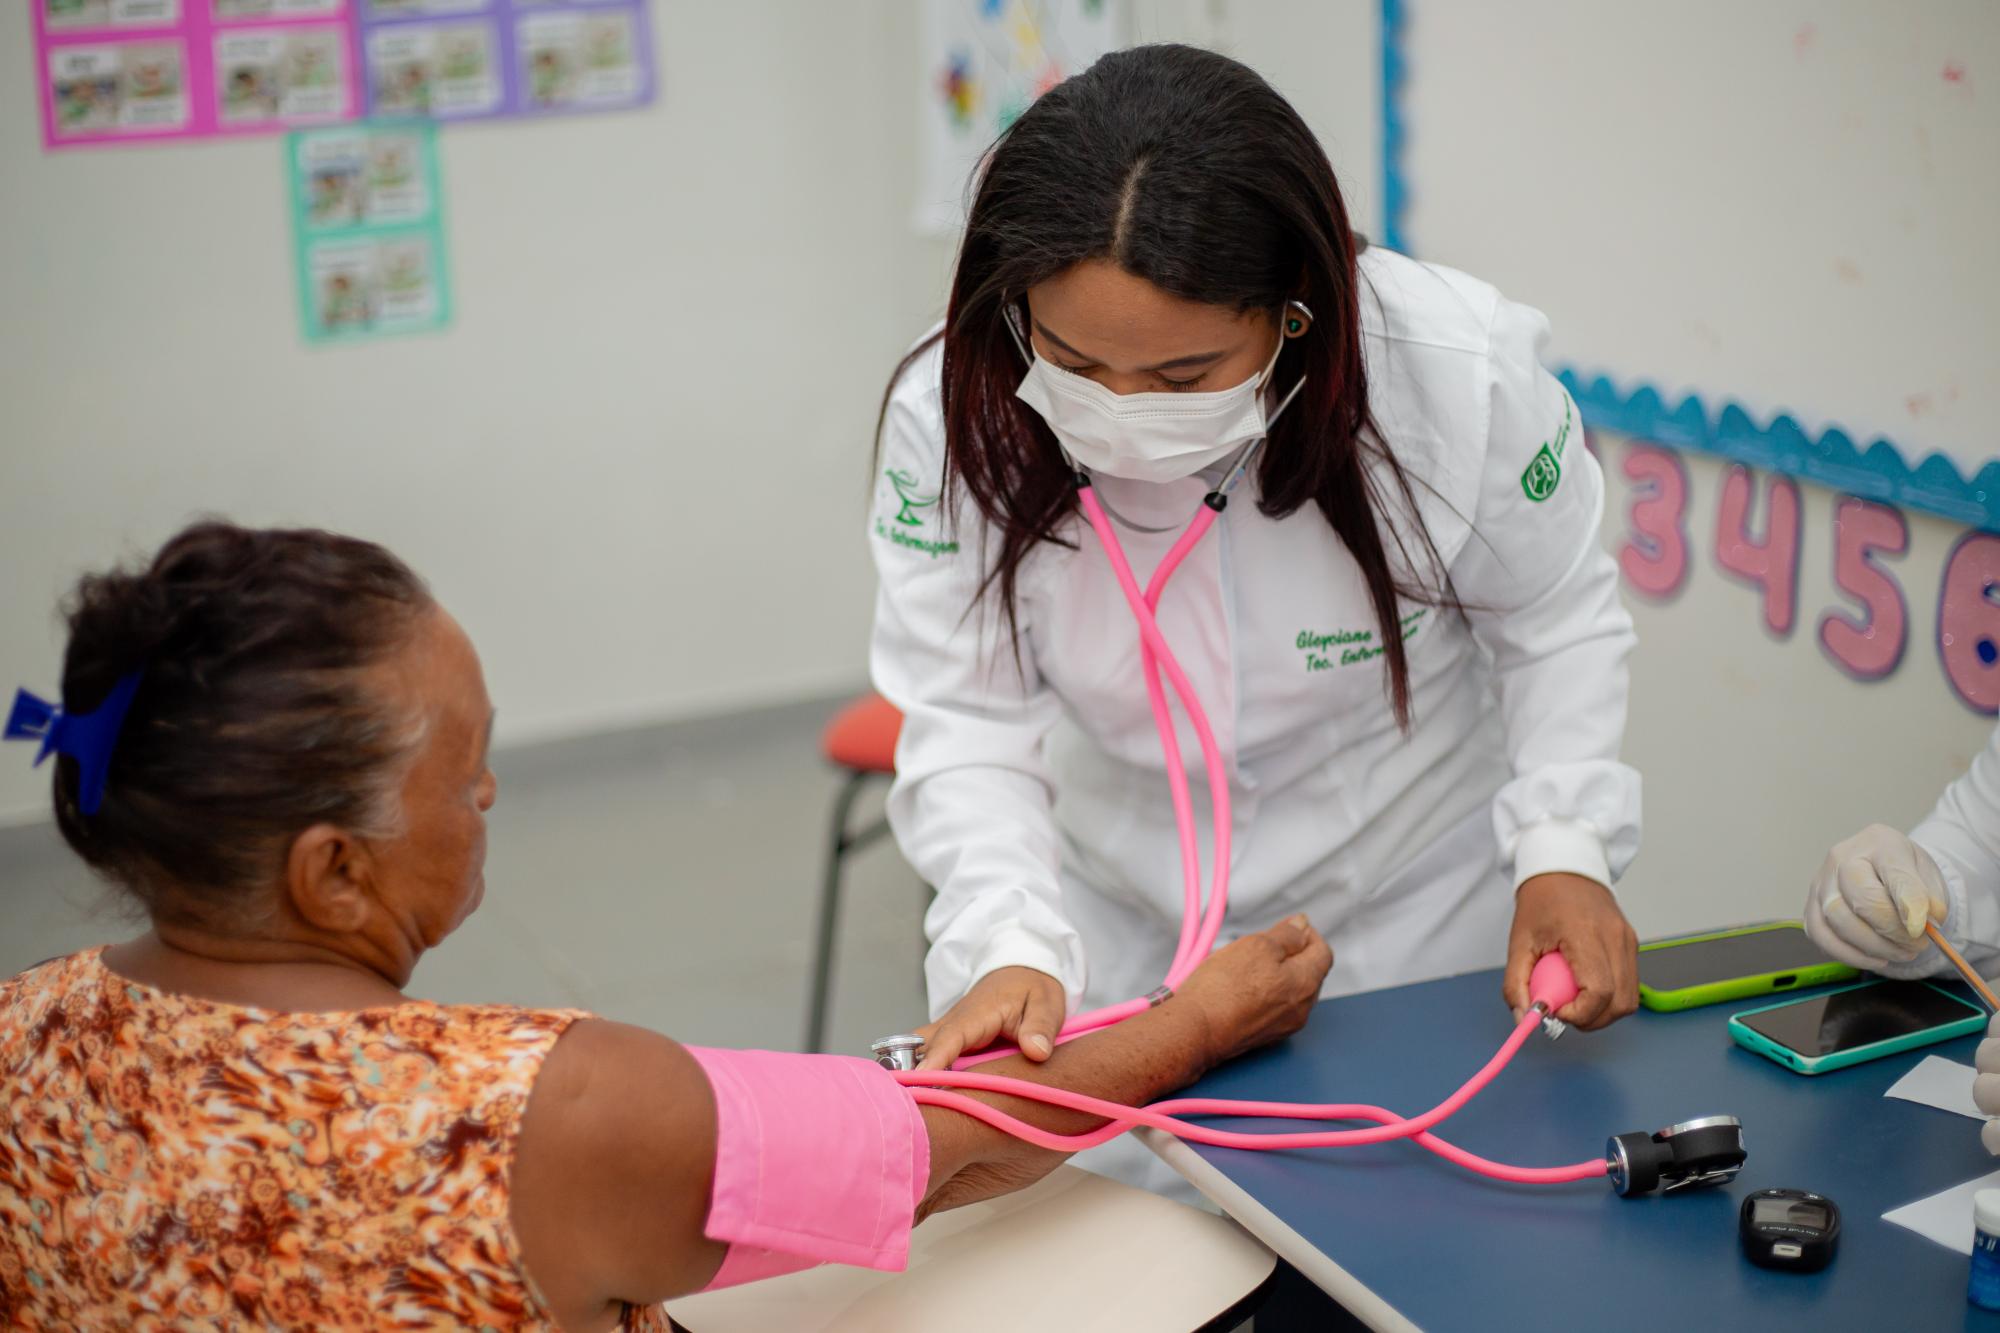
(1696, 1152)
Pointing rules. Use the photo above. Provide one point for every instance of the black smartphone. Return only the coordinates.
(1855, 1023)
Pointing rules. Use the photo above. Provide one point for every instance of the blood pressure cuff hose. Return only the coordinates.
(818, 1159)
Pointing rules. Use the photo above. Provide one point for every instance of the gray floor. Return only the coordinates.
(665, 877)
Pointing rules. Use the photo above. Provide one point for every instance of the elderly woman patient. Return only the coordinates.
(276, 742)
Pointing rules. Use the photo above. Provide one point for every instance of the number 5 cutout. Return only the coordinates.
(1871, 647)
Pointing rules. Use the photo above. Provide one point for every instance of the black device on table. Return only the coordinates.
(1789, 1229)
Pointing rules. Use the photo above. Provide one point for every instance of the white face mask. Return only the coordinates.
(1146, 436)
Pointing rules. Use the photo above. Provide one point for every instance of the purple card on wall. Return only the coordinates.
(459, 59)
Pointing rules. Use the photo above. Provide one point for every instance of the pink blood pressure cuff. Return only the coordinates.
(818, 1159)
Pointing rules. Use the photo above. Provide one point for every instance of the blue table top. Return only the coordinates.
(1451, 1250)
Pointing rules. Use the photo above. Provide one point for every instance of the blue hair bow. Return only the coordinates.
(89, 738)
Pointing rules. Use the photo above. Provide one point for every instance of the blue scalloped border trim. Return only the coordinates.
(1875, 473)
(1878, 472)
(1394, 201)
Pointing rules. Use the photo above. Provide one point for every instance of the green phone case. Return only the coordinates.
(1738, 988)
(1751, 1040)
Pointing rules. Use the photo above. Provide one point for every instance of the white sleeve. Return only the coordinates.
(1542, 597)
(1962, 834)
(971, 804)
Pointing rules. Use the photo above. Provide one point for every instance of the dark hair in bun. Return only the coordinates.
(251, 722)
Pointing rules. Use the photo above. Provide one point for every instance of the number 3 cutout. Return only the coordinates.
(1654, 558)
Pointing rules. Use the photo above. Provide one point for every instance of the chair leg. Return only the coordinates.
(829, 913)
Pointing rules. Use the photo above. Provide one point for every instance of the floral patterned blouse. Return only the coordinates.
(167, 1161)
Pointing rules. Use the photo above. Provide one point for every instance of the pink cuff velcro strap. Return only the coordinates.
(818, 1159)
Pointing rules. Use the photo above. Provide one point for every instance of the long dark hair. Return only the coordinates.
(1188, 170)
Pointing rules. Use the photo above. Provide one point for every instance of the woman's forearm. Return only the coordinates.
(1137, 1061)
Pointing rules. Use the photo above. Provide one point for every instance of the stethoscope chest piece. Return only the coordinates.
(1689, 1155)
(901, 1051)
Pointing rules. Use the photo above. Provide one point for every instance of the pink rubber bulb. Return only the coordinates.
(1552, 983)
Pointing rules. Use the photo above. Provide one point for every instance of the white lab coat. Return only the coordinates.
(1962, 834)
(1034, 800)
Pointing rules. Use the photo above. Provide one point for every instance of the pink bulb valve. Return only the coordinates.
(1551, 986)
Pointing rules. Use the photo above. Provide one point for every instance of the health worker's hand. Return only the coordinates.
(1868, 905)
(1258, 989)
(1019, 1004)
(1986, 1084)
(1579, 917)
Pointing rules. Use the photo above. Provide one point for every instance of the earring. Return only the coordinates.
(1295, 326)
(1297, 318)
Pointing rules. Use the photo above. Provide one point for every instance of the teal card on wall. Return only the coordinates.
(368, 230)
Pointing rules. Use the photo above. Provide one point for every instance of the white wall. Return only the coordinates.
(636, 468)
(673, 328)
(1788, 203)
(1785, 204)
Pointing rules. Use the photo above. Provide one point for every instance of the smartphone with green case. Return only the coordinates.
(1690, 971)
(1865, 1021)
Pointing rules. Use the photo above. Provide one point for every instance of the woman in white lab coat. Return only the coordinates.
(1403, 627)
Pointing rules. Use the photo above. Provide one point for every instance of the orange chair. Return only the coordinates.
(860, 739)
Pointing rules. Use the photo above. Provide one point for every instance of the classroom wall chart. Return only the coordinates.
(124, 71)
(983, 62)
(368, 231)
(129, 70)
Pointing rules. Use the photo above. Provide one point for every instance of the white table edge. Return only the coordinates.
(1266, 1226)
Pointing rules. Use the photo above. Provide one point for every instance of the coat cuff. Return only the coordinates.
(1018, 946)
(1560, 846)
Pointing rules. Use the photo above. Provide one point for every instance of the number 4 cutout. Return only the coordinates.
(1771, 564)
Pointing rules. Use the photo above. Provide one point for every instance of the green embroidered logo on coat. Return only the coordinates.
(1544, 472)
(909, 515)
(906, 491)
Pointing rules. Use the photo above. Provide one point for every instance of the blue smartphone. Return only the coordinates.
(1854, 1023)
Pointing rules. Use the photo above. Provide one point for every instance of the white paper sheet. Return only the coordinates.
(1945, 1084)
(1945, 1217)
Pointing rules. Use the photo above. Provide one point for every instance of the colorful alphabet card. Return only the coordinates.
(455, 59)
(118, 71)
(124, 71)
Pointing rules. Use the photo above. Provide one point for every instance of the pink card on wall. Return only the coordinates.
(123, 71)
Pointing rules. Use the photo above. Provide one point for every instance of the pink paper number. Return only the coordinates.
(1867, 648)
(1654, 558)
(1771, 564)
(1969, 621)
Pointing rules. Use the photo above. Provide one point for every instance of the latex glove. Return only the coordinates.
(1868, 905)
(1986, 1084)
